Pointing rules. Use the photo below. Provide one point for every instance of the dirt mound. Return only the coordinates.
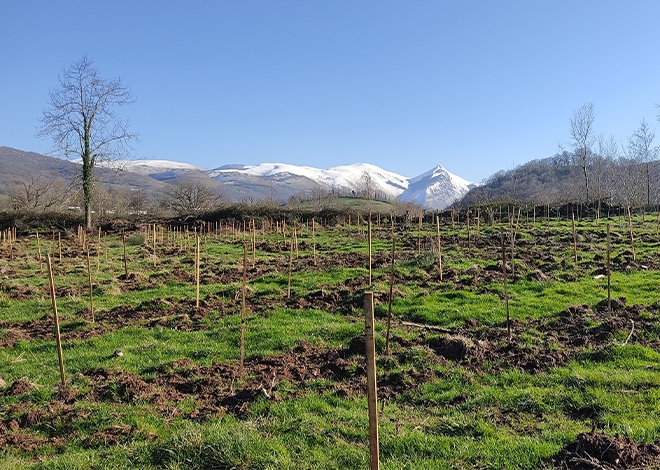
(456, 348)
(602, 452)
(20, 387)
(26, 442)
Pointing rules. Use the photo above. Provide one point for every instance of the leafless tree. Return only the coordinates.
(189, 198)
(582, 138)
(39, 193)
(83, 123)
(641, 149)
(367, 185)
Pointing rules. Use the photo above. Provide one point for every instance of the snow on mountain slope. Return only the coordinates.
(152, 167)
(436, 189)
(346, 176)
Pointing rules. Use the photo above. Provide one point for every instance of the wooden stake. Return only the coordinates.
(56, 318)
(437, 231)
(419, 235)
(254, 244)
(288, 288)
(314, 240)
(389, 304)
(575, 254)
(372, 397)
(369, 243)
(609, 272)
(467, 221)
(197, 271)
(154, 243)
(243, 294)
(123, 241)
(632, 235)
(98, 252)
(41, 261)
(506, 293)
(91, 287)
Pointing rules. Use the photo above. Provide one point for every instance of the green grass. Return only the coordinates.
(461, 417)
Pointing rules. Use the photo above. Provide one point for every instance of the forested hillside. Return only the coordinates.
(560, 179)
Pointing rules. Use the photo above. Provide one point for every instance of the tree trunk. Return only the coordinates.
(87, 179)
(586, 181)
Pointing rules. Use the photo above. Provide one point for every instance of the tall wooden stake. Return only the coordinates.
(197, 271)
(41, 261)
(56, 318)
(632, 234)
(314, 240)
(369, 243)
(574, 239)
(506, 293)
(389, 304)
(437, 231)
(288, 287)
(419, 235)
(91, 286)
(123, 241)
(467, 221)
(609, 272)
(243, 294)
(98, 252)
(372, 397)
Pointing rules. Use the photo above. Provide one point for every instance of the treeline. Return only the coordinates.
(559, 180)
(594, 172)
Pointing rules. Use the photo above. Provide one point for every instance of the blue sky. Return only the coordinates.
(477, 86)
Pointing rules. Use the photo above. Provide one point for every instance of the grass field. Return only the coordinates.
(455, 392)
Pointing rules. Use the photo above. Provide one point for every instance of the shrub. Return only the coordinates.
(135, 239)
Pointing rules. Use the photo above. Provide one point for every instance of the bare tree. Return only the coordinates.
(82, 121)
(641, 149)
(367, 185)
(582, 138)
(38, 193)
(190, 198)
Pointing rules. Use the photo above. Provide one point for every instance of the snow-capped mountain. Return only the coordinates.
(354, 178)
(436, 189)
(156, 167)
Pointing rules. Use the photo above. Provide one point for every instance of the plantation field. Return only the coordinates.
(154, 377)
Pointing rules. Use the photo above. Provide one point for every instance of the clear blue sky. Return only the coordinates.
(477, 86)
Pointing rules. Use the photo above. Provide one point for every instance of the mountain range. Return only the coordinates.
(435, 189)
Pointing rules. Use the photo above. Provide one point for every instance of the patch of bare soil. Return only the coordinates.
(20, 387)
(181, 315)
(558, 340)
(225, 387)
(27, 442)
(595, 451)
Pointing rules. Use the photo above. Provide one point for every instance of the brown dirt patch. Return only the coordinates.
(226, 387)
(20, 387)
(595, 451)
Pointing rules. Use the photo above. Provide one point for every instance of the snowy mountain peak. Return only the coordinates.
(435, 189)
